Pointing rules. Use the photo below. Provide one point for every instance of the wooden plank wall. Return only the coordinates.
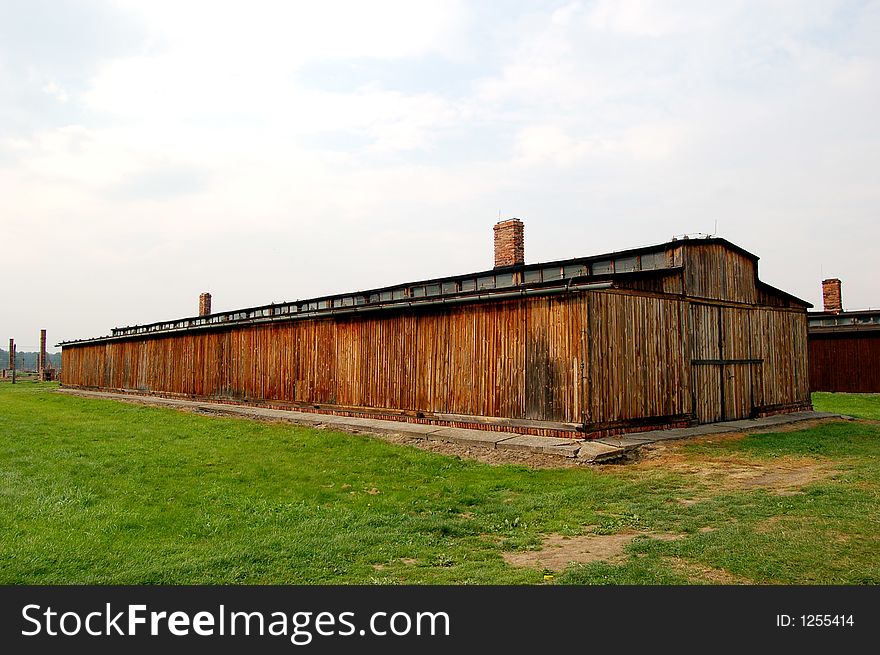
(845, 362)
(706, 346)
(737, 377)
(714, 271)
(779, 337)
(637, 358)
(760, 360)
(596, 357)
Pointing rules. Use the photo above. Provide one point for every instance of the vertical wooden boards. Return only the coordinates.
(596, 357)
(509, 338)
(796, 332)
(470, 360)
(348, 366)
(845, 361)
(565, 334)
(706, 347)
(554, 358)
(539, 369)
(737, 377)
(779, 337)
(671, 383)
(714, 271)
(756, 358)
(462, 363)
(636, 357)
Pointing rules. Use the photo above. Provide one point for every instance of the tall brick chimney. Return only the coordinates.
(204, 304)
(831, 298)
(509, 243)
(42, 363)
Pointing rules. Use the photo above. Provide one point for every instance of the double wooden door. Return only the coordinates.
(724, 369)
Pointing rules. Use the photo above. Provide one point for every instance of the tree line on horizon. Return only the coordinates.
(28, 361)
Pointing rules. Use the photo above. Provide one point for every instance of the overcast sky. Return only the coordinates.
(273, 151)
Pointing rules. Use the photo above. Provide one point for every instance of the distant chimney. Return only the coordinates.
(509, 243)
(831, 297)
(42, 363)
(204, 304)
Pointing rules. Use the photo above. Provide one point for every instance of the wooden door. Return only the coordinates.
(705, 362)
(737, 367)
(722, 365)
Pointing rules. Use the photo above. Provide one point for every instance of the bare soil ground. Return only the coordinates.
(781, 475)
(697, 573)
(558, 551)
(486, 455)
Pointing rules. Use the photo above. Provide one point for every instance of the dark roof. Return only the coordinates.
(784, 294)
(492, 283)
(849, 314)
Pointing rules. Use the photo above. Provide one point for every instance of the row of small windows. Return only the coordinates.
(845, 320)
(646, 262)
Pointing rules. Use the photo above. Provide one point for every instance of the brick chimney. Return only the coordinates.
(509, 243)
(41, 364)
(831, 297)
(204, 304)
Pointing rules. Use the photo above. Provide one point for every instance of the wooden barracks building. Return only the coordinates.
(669, 335)
(844, 345)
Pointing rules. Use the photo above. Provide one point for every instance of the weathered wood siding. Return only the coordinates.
(713, 271)
(706, 347)
(848, 362)
(779, 338)
(596, 357)
(746, 360)
(637, 363)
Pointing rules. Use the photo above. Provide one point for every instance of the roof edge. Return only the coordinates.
(784, 294)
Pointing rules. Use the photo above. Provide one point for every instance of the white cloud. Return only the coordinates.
(541, 144)
(200, 152)
(283, 35)
(55, 91)
(652, 18)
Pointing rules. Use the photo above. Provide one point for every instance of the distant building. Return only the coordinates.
(844, 346)
(674, 334)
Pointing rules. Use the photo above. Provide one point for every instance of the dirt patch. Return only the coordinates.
(558, 551)
(790, 525)
(408, 561)
(782, 475)
(486, 455)
(797, 425)
(768, 525)
(783, 482)
(697, 572)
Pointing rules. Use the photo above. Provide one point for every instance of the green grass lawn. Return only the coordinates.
(861, 405)
(98, 491)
